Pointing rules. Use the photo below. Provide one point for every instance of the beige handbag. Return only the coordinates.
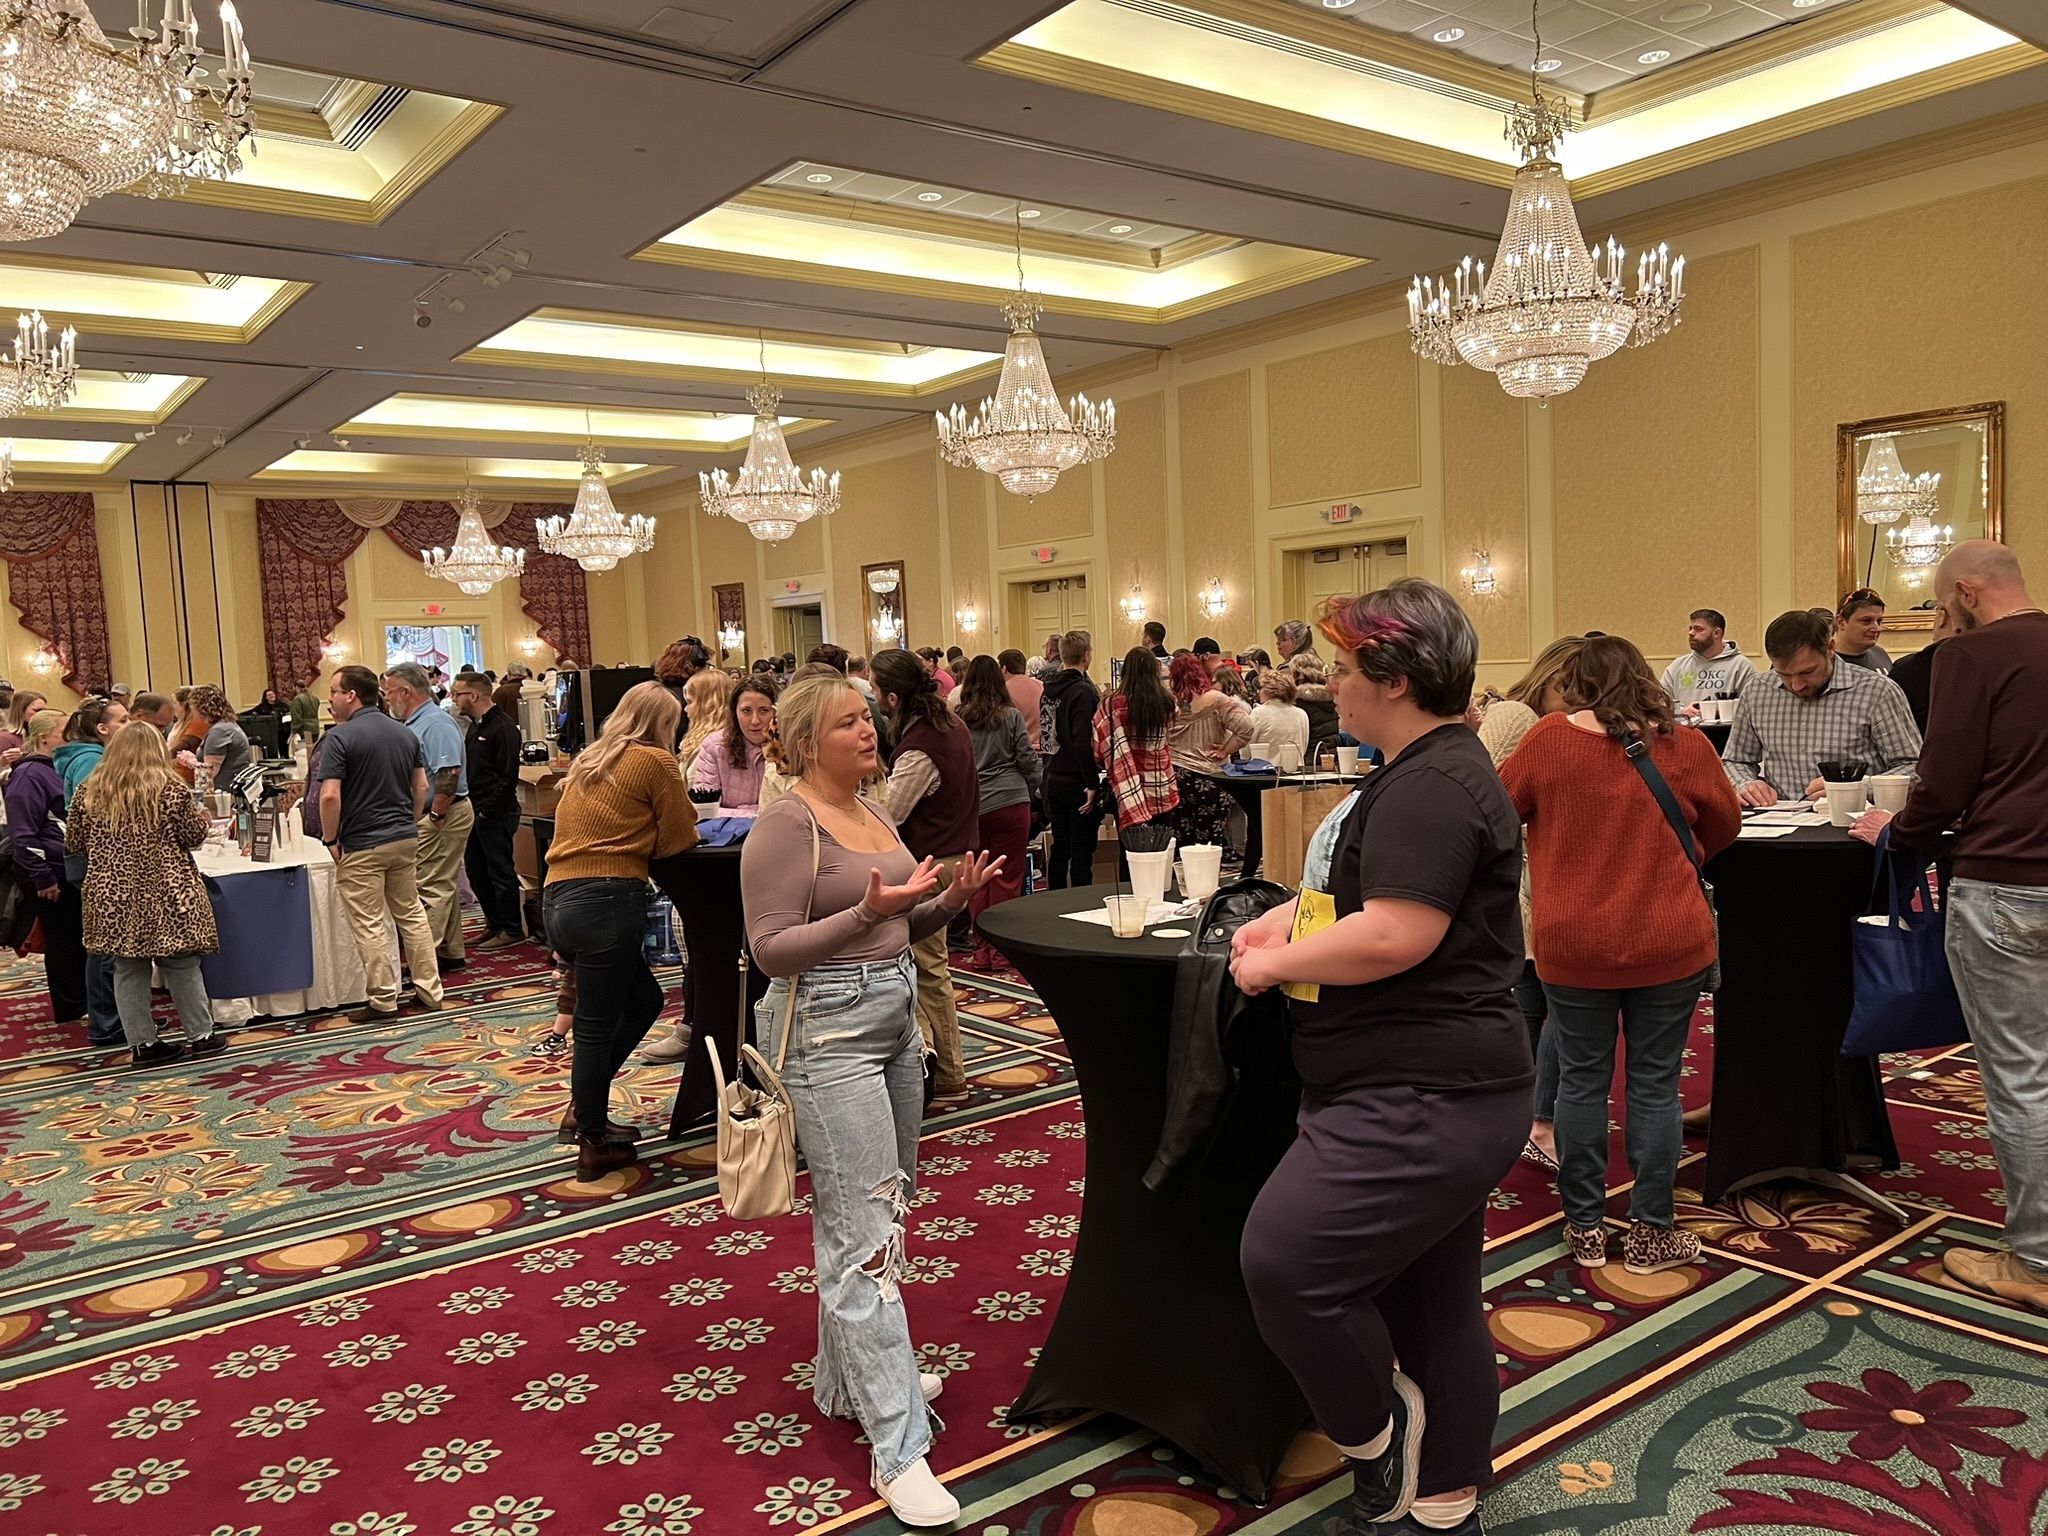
(757, 1126)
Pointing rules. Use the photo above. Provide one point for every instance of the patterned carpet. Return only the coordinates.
(333, 1282)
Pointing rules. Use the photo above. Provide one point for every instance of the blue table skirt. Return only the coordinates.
(266, 933)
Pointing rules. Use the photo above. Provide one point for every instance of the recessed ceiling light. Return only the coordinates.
(1029, 213)
(931, 197)
(818, 178)
(1119, 229)
(1654, 56)
(1549, 66)
(1338, 5)
(1450, 34)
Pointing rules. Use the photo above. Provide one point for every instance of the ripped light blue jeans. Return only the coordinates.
(855, 1074)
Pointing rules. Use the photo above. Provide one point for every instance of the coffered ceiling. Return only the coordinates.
(470, 222)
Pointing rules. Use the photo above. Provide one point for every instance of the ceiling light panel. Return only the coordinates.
(115, 299)
(454, 469)
(65, 455)
(103, 396)
(470, 418)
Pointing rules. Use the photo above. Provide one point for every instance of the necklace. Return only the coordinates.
(852, 808)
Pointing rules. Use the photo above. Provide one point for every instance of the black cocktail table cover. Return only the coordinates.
(1784, 1095)
(1155, 1325)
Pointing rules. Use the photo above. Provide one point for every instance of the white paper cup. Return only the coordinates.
(1287, 757)
(1710, 711)
(1846, 802)
(1889, 790)
(1203, 863)
(1347, 759)
(1262, 750)
(1149, 872)
(1126, 915)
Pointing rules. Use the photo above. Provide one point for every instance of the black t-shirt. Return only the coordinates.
(374, 756)
(1435, 826)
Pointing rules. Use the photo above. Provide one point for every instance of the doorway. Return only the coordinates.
(1341, 570)
(451, 647)
(799, 629)
(1049, 607)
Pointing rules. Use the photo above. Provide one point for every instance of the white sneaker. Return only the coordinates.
(933, 1385)
(918, 1498)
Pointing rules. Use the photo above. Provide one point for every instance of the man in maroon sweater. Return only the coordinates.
(1986, 762)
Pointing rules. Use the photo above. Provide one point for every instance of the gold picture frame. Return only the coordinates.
(1965, 446)
(883, 614)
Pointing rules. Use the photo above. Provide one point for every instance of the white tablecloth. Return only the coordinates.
(337, 966)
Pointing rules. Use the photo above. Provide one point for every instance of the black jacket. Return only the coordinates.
(1321, 709)
(1212, 1023)
(1915, 677)
(1068, 707)
(493, 748)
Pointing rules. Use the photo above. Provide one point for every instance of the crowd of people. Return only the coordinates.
(1517, 889)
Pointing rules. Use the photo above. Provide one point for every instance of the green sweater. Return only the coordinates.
(305, 710)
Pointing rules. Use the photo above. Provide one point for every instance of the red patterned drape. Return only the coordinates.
(52, 550)
(551, 592)
(304, 546)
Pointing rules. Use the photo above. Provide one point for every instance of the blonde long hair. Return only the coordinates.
(800, 715)
(708, 692)
(646, 716)
(1547, 668)
(127, 788)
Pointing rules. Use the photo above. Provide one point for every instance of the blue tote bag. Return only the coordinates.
(1905, 998)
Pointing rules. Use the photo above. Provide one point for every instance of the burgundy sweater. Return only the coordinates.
(1613, 900)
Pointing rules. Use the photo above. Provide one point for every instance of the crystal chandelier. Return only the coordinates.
(1920, 544)
(595, 536)
(883, 581)
(1885, 492)
(730, 636)
(1550, 308)
(1022, 434)
(80, 118)
(771, 495)
(37, 373)
(475, 564)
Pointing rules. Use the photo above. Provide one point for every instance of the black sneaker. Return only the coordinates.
(156, 1053)
(206, 1045)
(1384, 1487)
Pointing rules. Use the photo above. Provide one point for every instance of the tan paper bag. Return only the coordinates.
(1290, 818)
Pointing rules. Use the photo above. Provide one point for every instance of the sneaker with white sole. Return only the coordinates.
(1588, 1245)
(1645, 1249)
(918, 1498)
(932, 1383)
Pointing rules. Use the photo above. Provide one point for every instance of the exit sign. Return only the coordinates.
(1043, 555)
(431, 610)
(1342, 512)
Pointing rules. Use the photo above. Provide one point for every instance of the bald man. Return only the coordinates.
(1986, 763)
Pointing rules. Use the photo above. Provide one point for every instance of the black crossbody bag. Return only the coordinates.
(1638, 752)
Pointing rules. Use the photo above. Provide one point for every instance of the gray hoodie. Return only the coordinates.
(1690, 678)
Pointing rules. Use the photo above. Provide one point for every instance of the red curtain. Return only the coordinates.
(52, 549)
(304, 547)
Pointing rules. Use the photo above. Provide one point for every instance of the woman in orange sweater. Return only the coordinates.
(1621, 929)
(623, 804)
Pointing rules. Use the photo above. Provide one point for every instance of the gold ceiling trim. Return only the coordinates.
(134, 269)
(1825, 114)
(149, 328)
(148, 418)
(432, 157)
(1703, 71)
(984, 232)
(26, 476)
(1094, 79)
(673, 327)
(614, 442)
(1313, 265)
(635, 368)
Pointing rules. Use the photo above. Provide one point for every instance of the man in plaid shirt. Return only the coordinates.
(1813, 708)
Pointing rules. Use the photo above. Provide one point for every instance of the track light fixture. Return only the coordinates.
(220, 439)
(184, 437)
(302, 442)
(145, 434)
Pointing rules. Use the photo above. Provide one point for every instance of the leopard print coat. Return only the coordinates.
(143, 896)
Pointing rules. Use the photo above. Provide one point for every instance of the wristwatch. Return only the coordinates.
(437, 817)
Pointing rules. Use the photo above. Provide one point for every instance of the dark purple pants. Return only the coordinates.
(1364, 1249)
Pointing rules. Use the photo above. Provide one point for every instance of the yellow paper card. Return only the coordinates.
(1313, 912)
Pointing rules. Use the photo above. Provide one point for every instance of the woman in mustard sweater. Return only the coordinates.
(623, 804)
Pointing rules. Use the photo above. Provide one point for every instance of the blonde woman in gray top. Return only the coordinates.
(833, 903)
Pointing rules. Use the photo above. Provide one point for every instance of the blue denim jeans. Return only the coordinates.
(855, 1073)
(597, 927)
(102, 1007)
(1998, 952)
(1655, 1022)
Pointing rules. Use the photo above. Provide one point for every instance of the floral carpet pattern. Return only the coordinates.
(340, 1281)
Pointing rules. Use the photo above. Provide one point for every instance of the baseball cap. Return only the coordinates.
(1207, 647)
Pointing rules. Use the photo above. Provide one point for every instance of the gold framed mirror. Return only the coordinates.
(883, 604)
(1907, 489)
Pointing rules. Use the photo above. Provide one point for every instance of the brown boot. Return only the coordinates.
(1697, 1121)
(595, 1159)
(565, 1133)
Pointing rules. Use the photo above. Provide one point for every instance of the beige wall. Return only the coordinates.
(1696, 471)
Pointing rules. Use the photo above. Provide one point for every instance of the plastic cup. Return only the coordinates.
(1126, 915)
(1347, 759)
(1889, 790)
(1846, 801)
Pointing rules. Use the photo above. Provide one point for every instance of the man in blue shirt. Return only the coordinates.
(444, 830)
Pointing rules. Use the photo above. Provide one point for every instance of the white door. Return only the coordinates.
(1342, 570)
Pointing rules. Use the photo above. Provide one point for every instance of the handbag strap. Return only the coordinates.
(810, 894)
(1638, 752)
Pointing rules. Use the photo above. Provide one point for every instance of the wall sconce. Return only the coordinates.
(732, 638)
(1213, 602)
(43, 661)
(334, 651)
(530, 646)
(1479, 577)
(968, 620)
(1134, 606)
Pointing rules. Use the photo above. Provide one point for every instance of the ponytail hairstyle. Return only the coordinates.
(916, 691)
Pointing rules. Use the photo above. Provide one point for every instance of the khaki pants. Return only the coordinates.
(938, 1020)
(380, 886)
(440, 854)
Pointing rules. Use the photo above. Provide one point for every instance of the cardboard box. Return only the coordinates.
(540, 788)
